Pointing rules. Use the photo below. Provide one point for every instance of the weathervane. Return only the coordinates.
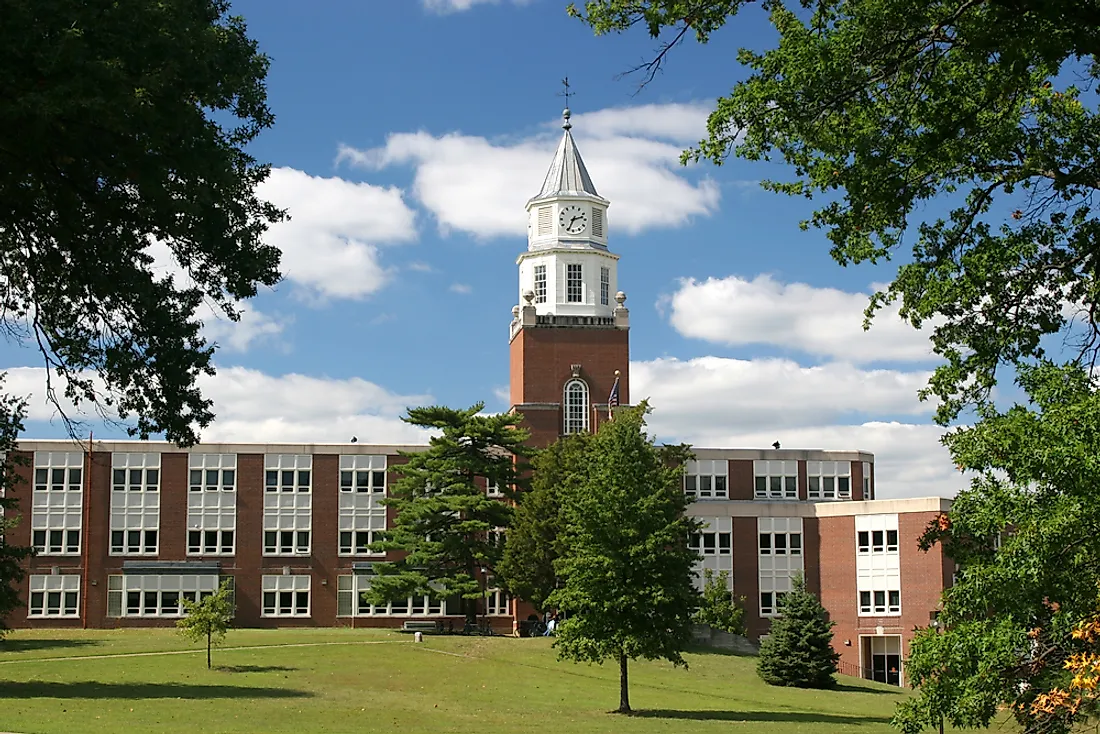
(566, 114)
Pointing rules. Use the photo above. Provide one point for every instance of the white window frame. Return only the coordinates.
(212, 505)
(540, 283)
(349, 592)
(135, 504)
(776, 571)
(277, 589)
(712, 543)
(780, 544)
(878, 565)
(492, 489)
(707, 479)
(288, 505)
(498, 603)
(361, 514)
(45, 589)
(880, 603)
(775, 480)
(57, 503)
(146, 596)
(605, 286)
(574, 283)
(868, 493)
(575, 406)
(829, 480)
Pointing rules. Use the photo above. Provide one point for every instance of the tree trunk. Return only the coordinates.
(208, 650)
(624, 686)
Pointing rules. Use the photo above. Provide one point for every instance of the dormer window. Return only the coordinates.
(575, 407)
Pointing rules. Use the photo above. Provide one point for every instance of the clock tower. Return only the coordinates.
(569, 333)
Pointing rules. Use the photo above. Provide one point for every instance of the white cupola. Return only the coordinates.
(567, 265)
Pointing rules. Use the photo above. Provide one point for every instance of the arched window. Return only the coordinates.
(575, 406)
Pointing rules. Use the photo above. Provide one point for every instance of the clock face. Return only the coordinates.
(573, 219)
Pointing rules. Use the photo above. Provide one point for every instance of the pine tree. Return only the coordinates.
(12, 411)
(209, 618)
(444, 518)
(798, 651)
(535, 541)
(627, 588)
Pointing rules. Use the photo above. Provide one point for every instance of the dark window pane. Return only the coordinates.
(227, 541)
(196, 478)
(345, 480)
(303, 478)
(864, 540)
(152, 477)
(892, 538)
(765, 543)
(271, 478)
(228, 477)
(119, 476)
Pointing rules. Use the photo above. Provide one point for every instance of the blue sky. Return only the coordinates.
(409, 134)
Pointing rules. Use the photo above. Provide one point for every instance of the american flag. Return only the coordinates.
(613, 399)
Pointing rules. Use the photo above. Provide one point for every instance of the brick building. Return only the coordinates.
(124, 529)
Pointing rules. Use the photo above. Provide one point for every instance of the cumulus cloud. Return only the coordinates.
(479, 186)
(718, 402)
(239, 336)
(330, 245)
(255, 407)
(820, 321)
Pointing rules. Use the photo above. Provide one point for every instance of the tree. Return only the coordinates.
(124, 128)
(798, 650)
(965, 131)
(717, 609)
(209, 618)
(627, 577)
(535, 541)
(1026, 537)
(444, 518)
(12, 411)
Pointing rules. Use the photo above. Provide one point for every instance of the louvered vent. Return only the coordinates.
(597, 222)
(546, 220)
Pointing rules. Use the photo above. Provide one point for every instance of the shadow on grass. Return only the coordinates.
(31, 645)
(860, 689)
(784, 716)
(253, 668)
(707, 650)
(135, 691)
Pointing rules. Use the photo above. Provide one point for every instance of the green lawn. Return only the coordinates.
(374, 681)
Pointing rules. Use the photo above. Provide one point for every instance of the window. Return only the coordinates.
(57, 502)
(498, 601)
(496, 537)
(135, 504)
(877, 541)
(878, 565)
(828, 480)
(868, 494)
(574, 285)
(287, 504)
(156, 595)
(540, 284)
(597, 222)
(885, 602)
(212, 505)
(712, 543)
(492, 488)
(350, 602)
(779, 559)
(361, 512)
(770, 602)
(605, 286)
(54, 596)
(286, 596)
(776, 480)
(575, 407)
(706, 479)
(882, 659)
(780, 544)
(545, 220)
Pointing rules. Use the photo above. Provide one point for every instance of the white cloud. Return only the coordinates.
(238, 336)
(255, 407)
(480, 186)
(820, 321)
(330, 245)
(461, 289)
(457, 6)
(714, 402)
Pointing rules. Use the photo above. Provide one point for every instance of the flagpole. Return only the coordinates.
(613, 398)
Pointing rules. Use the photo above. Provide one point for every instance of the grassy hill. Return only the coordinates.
(306, 681)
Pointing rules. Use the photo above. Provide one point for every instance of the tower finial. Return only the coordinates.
(566, 114)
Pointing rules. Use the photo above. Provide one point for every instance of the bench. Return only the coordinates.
(421, 625)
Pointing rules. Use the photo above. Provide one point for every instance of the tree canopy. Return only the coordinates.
(626, 578)
(11, 555)
(208, 619)
(798, 651)
(124, 126)
(445, 517)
